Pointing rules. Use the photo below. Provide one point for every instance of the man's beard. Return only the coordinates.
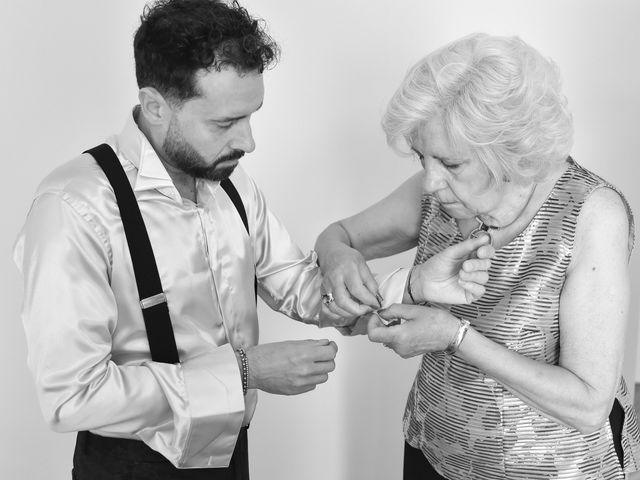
(183, 156)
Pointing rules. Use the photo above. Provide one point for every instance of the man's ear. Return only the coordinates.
(153, 106)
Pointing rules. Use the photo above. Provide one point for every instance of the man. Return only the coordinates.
(89, 329)
(199, 67)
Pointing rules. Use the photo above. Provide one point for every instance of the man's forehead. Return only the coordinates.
(228, 92)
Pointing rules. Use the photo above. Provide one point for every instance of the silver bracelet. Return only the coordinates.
(457, 340)
(245, 369)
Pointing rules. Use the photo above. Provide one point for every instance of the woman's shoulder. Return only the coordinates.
(606, 213)
(602, 207)
(586, 181)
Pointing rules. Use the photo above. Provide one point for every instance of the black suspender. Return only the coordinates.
(153, 301)
(233, 194)
(162, 342)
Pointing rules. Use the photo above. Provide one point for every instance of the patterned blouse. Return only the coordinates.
(468, 425)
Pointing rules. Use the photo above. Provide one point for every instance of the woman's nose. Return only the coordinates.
(434, 175)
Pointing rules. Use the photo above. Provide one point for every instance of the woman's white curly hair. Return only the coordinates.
(496, 96)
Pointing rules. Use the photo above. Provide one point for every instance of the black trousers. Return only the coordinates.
(103, 458)
(417, 467)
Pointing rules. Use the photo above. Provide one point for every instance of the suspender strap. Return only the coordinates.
(233, 194)
(155, 311)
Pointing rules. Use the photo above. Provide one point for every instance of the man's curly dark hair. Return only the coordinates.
(177, 38)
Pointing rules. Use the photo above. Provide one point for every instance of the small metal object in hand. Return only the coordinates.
(387, 323)
(481, 229)
(327, 299)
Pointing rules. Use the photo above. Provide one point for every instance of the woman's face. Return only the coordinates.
(462, 184)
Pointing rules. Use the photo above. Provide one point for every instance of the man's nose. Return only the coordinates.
(243, 139)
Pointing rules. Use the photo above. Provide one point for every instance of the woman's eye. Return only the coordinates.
(419, 157)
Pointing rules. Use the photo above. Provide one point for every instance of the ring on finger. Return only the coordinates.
(327, 298)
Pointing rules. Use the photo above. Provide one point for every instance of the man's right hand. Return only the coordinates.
(291, 367)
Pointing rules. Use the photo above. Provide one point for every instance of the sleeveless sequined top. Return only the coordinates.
(468, 425)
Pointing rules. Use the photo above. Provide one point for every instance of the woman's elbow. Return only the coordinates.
(592, 417)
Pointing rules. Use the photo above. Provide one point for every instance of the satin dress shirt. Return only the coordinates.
(87, 343)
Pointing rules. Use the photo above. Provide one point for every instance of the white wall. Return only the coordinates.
(67, 82)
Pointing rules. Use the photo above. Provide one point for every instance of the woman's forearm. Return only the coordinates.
(552, 389)
(334, 236)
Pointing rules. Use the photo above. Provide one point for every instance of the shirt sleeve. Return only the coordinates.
(289, 281)
(392, 286)
(184, 411)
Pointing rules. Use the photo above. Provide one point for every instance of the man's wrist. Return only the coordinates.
(243, 363)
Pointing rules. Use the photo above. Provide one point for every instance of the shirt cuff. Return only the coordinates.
(392, 287)
(205, 395)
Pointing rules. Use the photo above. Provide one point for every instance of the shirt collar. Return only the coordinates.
(134, 146)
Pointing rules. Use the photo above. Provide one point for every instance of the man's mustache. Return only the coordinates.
(234, 155)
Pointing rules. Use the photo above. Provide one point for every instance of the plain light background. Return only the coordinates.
(68, 82)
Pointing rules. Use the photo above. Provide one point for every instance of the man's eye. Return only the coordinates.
(225, 125)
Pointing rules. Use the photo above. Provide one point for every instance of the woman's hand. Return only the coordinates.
(390, 226)
(353, 288)
(424, 329)
(455, 275)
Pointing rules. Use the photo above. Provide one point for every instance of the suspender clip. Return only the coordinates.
(153, 301)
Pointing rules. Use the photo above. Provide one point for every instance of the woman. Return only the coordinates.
(524, 382)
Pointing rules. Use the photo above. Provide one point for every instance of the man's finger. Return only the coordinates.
(313, 342)
(324, 366)
(318, 379)
(326, 353)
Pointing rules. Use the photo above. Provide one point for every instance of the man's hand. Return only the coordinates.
(291, 367)
(455, 275)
